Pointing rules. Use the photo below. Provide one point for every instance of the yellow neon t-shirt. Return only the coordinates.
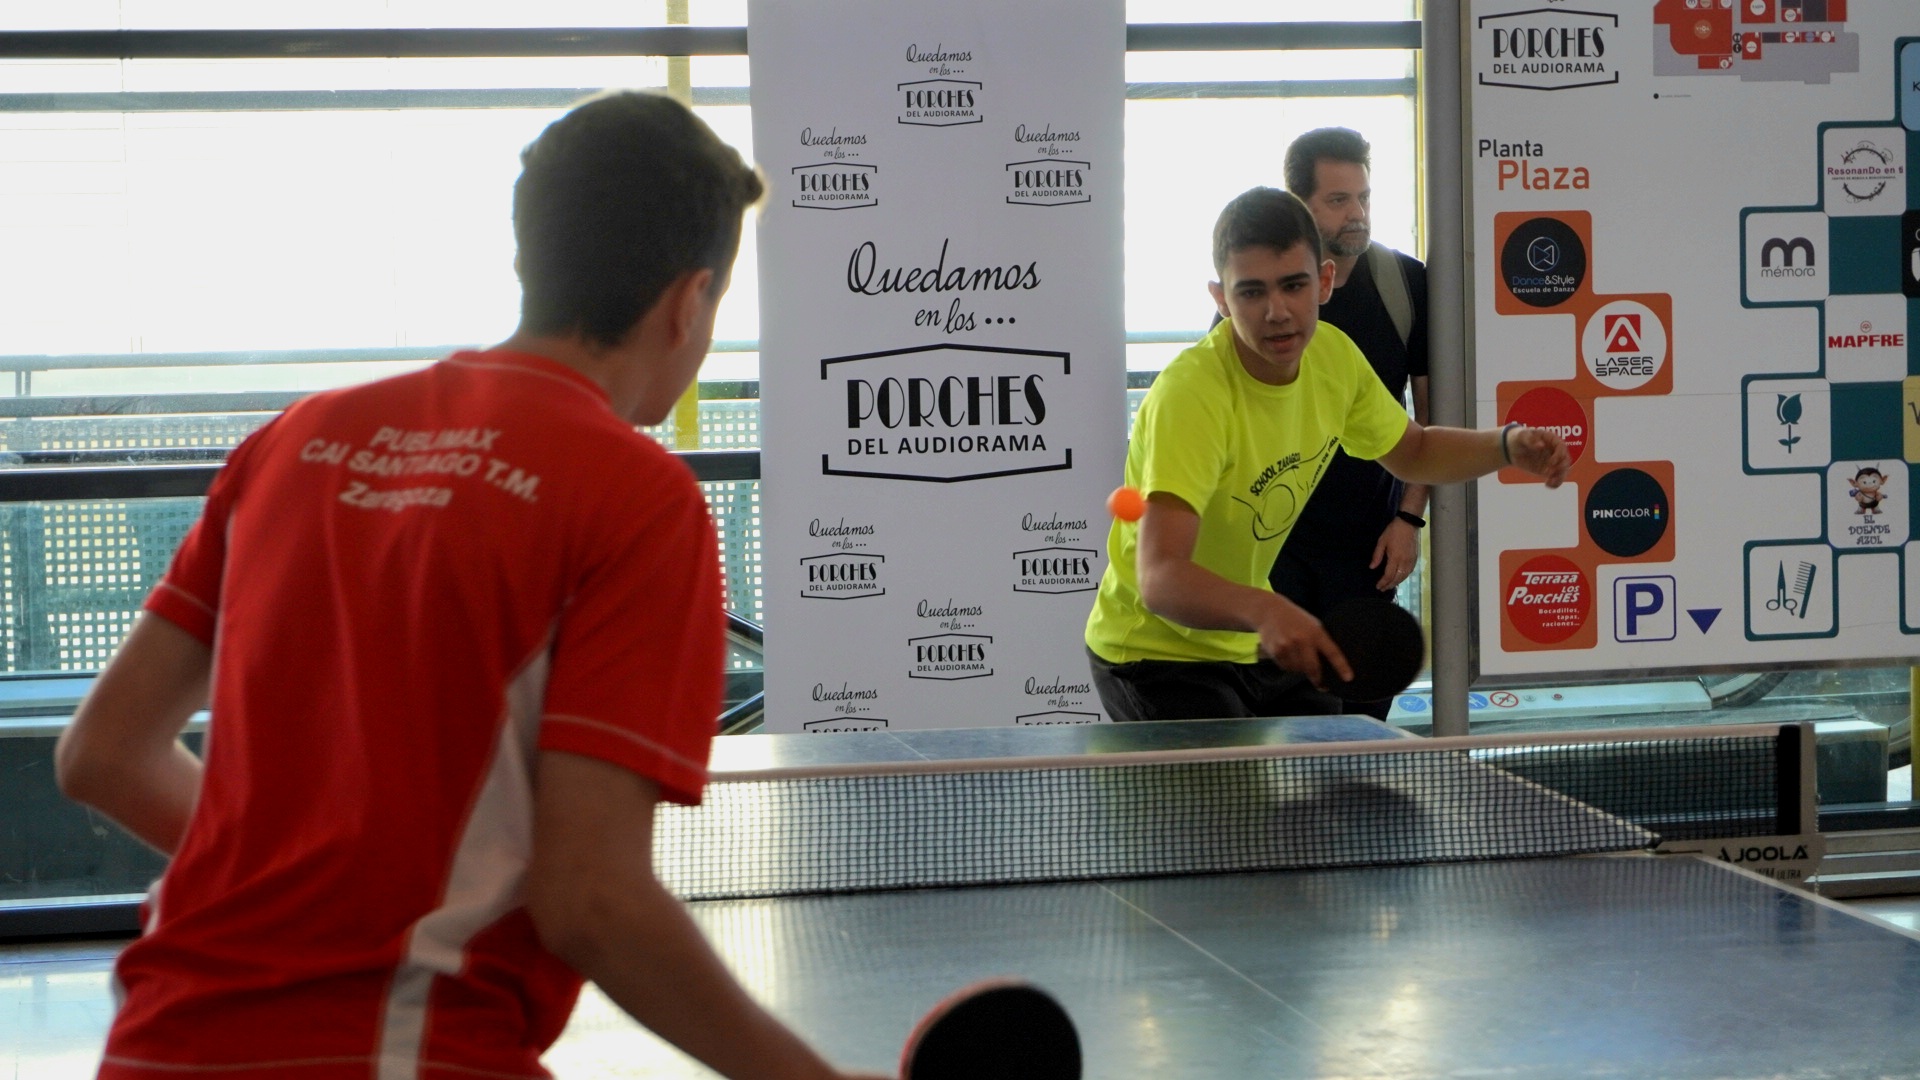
(1246, 455)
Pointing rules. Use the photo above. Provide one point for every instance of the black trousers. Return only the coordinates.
(1204, 690)
(1319, 584)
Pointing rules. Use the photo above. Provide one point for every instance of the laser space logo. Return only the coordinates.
(835, 185)
(1048, 182)
(940, 103)
(1546, 49)
(1056, 570)
(1624, 345)
(947, 413)
(950, 657)
(843, 575)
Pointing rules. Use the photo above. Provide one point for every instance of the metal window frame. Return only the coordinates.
(80, 475)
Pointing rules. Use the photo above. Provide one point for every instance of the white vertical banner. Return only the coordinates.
(942, 369)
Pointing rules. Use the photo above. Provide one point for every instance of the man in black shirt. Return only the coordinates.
(1359, 534)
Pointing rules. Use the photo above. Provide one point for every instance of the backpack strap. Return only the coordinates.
(1390, 281)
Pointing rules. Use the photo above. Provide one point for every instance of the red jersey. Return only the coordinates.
(409, 588)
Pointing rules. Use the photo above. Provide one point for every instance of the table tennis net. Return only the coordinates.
(932, 824)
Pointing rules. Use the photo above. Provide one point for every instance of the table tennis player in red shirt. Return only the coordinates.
(460, 632)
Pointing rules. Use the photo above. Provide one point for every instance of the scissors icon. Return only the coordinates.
(1796, 603)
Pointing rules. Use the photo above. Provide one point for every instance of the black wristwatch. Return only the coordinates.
(1411, 518)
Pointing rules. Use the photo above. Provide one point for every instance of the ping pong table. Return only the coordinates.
(1633, 965)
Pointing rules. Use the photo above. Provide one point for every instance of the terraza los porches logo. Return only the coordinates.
(835, 185)
(842, 575)
(946, 413)
(1547, 49)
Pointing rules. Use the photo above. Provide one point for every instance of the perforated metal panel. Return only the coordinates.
(128, 432)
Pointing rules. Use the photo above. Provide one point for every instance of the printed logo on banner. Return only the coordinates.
(835, 185)
(1543, 262)
(1555, 410)
(950, 657)
(1626, 513)
(1548, 599)
(1048, 182)
(940, 102)
(1866, 338)
(852, 707)
(1786, 257)
(1518, 164)
(1866, 170)
(1624, 345)
(1788, 423)
(1644, 609)
(1059, 716)
(1910, 253)
(845, 723)
(1055, 570)
(1547, 49)
(946, 413)
(1054, 528)
(843, 575)
(1789, 590)
(1867, 503)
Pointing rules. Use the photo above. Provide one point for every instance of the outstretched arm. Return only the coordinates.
(122, 753)
(1447, 455)
(1179, 590)
(597, 905)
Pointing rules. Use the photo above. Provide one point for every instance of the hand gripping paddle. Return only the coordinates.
(1382, 643)
(1003, 1029)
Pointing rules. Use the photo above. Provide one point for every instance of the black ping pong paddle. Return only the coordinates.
(1002, 1029)
(1382, 643)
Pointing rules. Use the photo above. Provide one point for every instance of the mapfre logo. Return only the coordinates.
(1546, 49)
(835, 185)
(946, 413)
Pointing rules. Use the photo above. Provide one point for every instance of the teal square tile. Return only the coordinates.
(1868, 421)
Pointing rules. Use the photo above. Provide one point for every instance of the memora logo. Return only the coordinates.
(1783, 258)
(950, 657)
(1050, 182)
(940, 102)
(1055, 570)
(835, 185)
(842, 576)
(1546, 49)
(947, 413)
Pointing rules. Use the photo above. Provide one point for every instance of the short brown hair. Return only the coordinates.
(1263, 216)
(616, 200)
(1323, 144)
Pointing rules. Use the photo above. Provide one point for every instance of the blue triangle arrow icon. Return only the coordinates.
(1703, 617)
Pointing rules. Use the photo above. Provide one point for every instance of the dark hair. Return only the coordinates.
(1323, 144)
(617, 200)
(1267, 217)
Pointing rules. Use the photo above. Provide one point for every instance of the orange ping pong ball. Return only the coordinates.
(1126, 503)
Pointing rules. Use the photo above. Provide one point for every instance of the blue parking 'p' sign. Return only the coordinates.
(1644, 609)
